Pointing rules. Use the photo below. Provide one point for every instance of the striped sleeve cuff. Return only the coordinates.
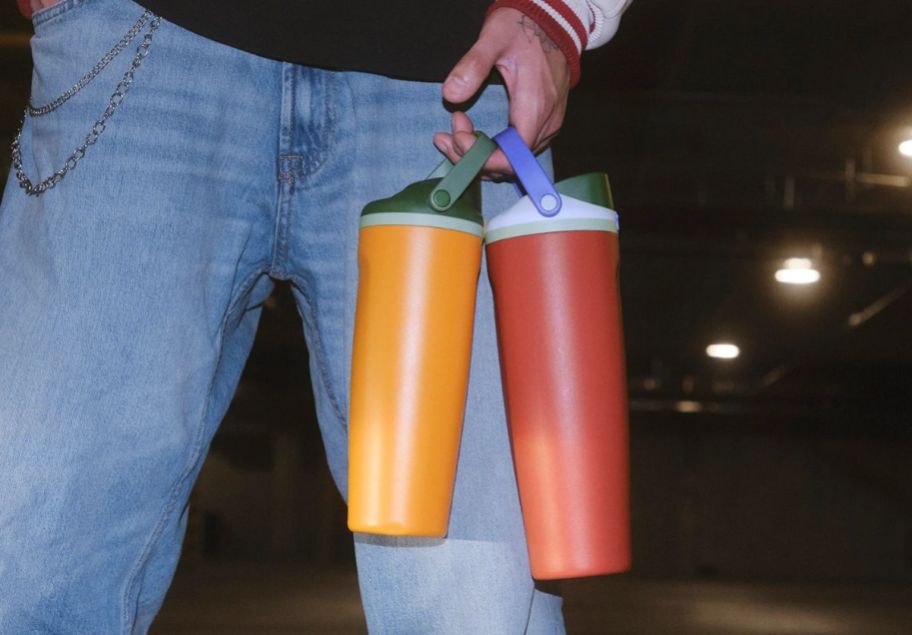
(568, 24)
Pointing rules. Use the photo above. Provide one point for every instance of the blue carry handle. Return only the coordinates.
(538, 186)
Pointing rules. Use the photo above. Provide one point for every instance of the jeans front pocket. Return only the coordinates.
(68, 56)
(55, 12)
(70, 39)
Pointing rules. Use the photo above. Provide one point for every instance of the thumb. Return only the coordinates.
(468, 75)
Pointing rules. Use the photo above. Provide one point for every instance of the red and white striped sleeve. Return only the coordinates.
(574, 25)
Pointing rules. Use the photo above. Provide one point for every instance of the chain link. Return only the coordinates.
(120, 91)
(34, 111)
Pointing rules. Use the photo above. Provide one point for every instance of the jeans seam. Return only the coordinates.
(328, 137)
(279, 258)
(133, 576)
(318, 352)
(285, 180)
(47, 14)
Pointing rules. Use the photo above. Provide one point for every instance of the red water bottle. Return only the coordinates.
(553, 264)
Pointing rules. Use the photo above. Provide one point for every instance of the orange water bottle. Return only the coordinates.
(419, 257)
(553, 264)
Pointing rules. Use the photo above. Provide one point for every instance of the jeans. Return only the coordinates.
(129, 299)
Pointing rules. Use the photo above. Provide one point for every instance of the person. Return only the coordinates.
(221, 147)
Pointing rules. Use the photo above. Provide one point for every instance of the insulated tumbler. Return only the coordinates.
(553, 264)
(419, 256)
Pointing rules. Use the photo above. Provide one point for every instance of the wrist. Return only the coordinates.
(559, 23)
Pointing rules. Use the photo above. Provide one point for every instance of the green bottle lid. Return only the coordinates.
(450, 198)
(592, 187)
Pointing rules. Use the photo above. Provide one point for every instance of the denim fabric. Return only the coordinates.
(130, 296)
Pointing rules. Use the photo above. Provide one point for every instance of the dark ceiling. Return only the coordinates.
(736, 134)
(852, 54)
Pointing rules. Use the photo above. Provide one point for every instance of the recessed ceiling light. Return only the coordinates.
(688, 406)
(905, 148)
(797, 271)
(723, 350)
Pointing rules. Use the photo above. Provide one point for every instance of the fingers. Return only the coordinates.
(463, 132)
(469, 73)
(535, 111)
(537, 79)
(456, 144)
(454, 148)
(497, 167)
(536, 124)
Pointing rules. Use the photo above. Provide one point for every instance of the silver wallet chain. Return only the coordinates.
(120, 91)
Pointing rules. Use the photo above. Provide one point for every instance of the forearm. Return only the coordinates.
(573, 25)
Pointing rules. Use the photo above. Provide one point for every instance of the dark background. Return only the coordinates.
(777, 485)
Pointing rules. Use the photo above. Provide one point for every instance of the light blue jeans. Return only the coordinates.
(130, 295)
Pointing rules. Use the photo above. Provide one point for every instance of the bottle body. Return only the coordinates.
(559, 330)
(410, 365)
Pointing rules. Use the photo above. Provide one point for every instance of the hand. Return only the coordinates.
(537, 78)
(28, 7)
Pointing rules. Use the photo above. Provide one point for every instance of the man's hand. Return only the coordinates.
(536, 75)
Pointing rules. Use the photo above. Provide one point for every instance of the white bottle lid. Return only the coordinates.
(524, 219)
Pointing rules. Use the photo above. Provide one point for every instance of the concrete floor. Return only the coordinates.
(248, 599)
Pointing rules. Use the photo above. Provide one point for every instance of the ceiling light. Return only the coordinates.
(797, 271)
(905, 148)
(688, 406)
(723, 350)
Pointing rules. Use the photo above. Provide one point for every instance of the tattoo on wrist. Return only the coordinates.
(532, 31)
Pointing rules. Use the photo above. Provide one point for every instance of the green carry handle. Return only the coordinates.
(457, 178)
